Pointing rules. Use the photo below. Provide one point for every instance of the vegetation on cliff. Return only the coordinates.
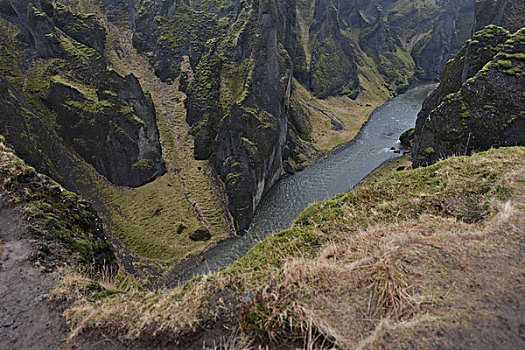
(479, 103)
(279, 61)
(66, 228)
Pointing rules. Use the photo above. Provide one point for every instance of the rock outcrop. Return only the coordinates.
(116, 133)
(64, 228)
(480, 102)
(333, 67)
(61, 101)
(84, 28)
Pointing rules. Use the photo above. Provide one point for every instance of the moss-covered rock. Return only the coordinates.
(407, 138)
(116, 134)
(66, 227)
(68, 100)
(84, 28)
(479, 103)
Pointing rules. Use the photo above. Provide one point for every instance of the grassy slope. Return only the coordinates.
(352, 114)
(399, 254)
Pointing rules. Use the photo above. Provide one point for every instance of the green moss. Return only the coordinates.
(465, 113)
(333, 71)
(430, 150)
(143, 164)
(398, 68)
(110, 93)
(238, 176)
(505, 63)
(518, 70)
(36, 12)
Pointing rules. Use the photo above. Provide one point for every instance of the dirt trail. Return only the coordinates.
(28, 320)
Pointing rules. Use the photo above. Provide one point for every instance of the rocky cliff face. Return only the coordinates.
(448, 33)
(237, 61)
(407, 40)
(479, 103)
(58, 93)
(506, 13)
(333, 67)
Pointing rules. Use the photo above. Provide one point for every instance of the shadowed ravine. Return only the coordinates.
(335, 175)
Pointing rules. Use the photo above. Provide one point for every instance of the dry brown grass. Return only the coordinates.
(385, 277)
(378, 279)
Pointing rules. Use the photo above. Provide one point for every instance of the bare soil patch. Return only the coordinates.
(28, 320)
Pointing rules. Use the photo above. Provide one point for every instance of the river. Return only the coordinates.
(337, 174)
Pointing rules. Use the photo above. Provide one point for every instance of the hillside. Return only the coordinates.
(431, 257)
(136, 135)
(45, 232)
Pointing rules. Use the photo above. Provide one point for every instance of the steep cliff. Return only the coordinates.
(479, 103)
(448, 33)
(237, 61)
(58, 91)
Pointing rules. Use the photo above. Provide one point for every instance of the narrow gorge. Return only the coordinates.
(168, 171)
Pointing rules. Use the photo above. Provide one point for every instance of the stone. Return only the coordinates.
(201, 234)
